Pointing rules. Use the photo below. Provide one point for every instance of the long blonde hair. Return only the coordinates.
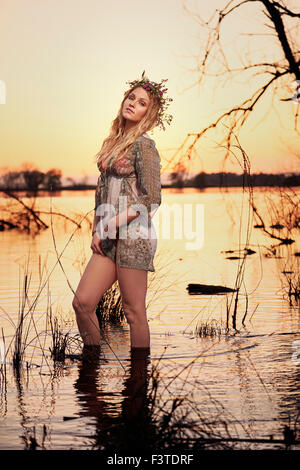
(119, 144)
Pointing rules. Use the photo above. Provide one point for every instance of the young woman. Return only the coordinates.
(128, 194)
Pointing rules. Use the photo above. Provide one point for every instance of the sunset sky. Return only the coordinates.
(65, 64)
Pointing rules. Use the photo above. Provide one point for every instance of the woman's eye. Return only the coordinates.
(131, 97)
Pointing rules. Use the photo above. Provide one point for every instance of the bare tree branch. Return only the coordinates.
(287, 65)
(286, 11)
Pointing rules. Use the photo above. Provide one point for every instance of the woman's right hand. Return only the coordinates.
(96, 244)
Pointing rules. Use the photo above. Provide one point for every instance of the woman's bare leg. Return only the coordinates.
(133, 289)
(99, 275)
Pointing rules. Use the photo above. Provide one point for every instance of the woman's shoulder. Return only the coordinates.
(145, 145)
(145, 138)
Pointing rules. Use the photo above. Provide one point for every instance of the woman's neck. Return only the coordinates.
(128, 125)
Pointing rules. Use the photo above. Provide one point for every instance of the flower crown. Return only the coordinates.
(157, 90)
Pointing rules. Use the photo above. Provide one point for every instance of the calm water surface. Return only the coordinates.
(251, 373)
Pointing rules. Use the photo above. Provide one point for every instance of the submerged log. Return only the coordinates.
(208, 289)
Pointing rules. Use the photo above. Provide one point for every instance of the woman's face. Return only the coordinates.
(136, 104)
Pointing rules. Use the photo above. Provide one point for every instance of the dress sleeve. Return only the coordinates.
(147, 166)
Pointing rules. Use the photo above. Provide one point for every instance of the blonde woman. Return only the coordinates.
(128, 194)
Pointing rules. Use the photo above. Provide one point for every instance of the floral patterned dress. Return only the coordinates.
(133, 181)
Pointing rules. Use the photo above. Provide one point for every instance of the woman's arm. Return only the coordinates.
(126, 217)
(147, 164)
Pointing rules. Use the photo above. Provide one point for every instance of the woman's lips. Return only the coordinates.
(129, 110)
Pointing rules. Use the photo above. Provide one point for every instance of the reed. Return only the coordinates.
(289, 269)
(28, 333)
(109, 309)
(30, 439)
(60, 340)
(283, 212)
(283, 209)
(233, 300)
(206, 329)
(21, 332)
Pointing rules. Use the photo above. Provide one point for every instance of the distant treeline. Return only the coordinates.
(31, 180)
(36, 180)
(221, 179)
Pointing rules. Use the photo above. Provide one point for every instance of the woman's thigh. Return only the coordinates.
(99, 275)
(133, 287)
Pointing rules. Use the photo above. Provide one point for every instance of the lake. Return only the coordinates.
(248, 376)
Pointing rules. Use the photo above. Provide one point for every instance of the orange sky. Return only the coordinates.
(65, 64)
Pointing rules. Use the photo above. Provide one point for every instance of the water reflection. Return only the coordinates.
(287, 383)
(121, 425)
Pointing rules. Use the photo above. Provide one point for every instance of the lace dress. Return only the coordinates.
(133, 181)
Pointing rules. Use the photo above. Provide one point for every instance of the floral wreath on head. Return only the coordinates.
(157, 90)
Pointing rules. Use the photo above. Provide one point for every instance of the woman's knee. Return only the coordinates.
(81, 305)
(134, 313)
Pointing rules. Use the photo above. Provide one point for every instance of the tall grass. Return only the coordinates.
(59, 340)
(22, 328)
(208, 329)
(289, 269)
(109, 309)
(283, 225)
